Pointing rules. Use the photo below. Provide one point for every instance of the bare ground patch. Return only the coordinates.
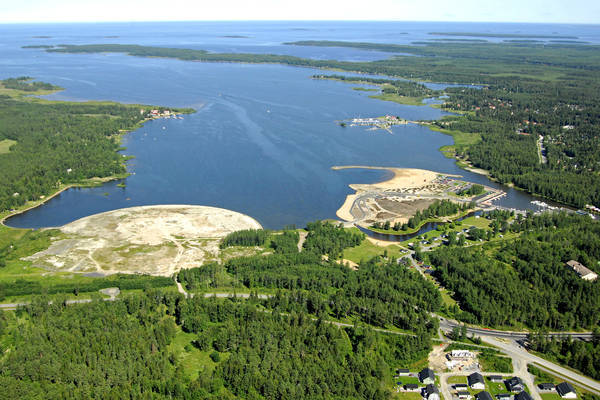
(157, 240)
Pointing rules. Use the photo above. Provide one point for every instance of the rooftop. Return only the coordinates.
(581, 269)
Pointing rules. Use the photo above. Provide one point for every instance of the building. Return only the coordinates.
(582, 270)
(514, 384)
(483, 396)
(547, 386)
(523, 396)
(504, 396)
(495, 378)
(427, 376)
(431, 392)
(566, 390)
(460, 355)
(476, 381)
(411, 387)
(461, 386)
(464, 395)
(403, 372)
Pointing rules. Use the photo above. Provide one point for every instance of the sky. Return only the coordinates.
(540, 11)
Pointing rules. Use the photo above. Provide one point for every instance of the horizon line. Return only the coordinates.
(288, 20)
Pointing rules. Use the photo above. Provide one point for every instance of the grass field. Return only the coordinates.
(456, 379)
(494, 363)
(5, 145)
(192, 359)
(410, 101)
(367, 250)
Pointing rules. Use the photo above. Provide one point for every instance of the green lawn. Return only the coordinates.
(494, 388)
(5, 145)
(406, 395)
(550, 396)
(367, 250)
(457, 379)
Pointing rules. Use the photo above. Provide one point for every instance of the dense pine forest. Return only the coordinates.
(124, 349)
(581, 355)
(526, 91)
(525, 282)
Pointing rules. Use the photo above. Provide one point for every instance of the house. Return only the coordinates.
(514, 384)
(504, 396)
(462, 395)
(403, 372)
(483, 396)
(495, 378)
(546, 386)
(582, 270)
(566, 390)
(461, 386)
(476, 381)
(431, 392)
(523, 396)
(411, 387)
(427, 376)
(460, 355)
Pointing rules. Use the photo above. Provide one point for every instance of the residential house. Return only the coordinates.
(483, 396)
(461, 386)
(411, 387)
(427, 376)
(566, 390)
(523, 396)
(462, 395)
(431, 392)
(582, 270)
(476, 381)
(514, 384)
(547, 386)
(403, 372)
(504, 396)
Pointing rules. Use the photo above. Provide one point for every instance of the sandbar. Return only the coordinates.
(403, 178)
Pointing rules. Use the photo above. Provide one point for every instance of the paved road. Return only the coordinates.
(447, 325)
(514, 350)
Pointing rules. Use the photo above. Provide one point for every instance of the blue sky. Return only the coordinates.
(546, 11)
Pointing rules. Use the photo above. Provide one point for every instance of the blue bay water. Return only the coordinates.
(264, 137)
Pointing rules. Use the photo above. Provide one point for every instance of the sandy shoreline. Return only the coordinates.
(404, 178)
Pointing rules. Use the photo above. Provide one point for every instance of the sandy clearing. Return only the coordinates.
(380, 243)
(156, 240)
(403, 178)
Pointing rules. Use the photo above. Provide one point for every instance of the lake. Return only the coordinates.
(264, 137)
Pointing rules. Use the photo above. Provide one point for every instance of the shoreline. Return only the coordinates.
(402, 178)
(93, 182)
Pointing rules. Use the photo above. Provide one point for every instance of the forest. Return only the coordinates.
(380, 292)
(581, 355)
(125, 349)
(58, 143)
(524, 282)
